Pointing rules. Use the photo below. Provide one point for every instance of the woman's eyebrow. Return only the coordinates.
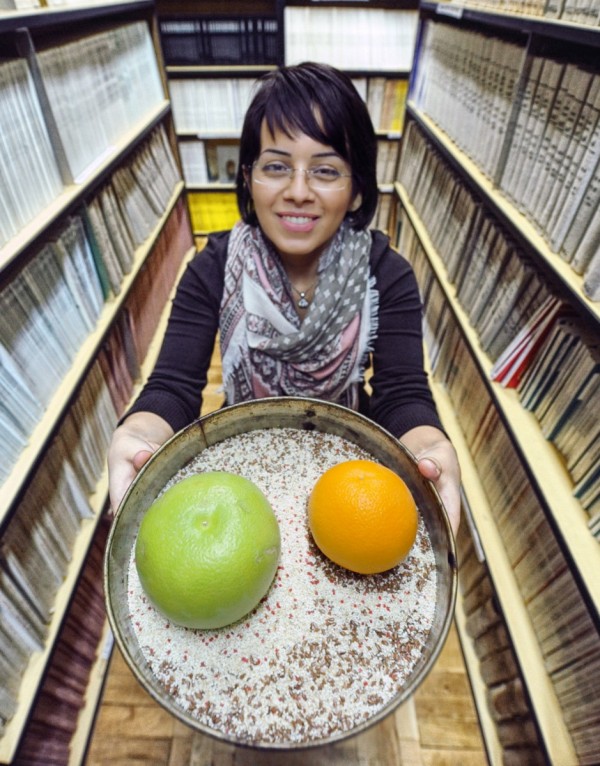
(276, 151)
(284, 153)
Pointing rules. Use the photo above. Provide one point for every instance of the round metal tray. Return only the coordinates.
(277, 412)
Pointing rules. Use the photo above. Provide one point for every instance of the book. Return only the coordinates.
(38, 356)
(570, 91)
(244, 40)
(508, 700)
(584, 227)
(520, 137)
(591, 276)
(512, 279)
(518, 732)
(375, 97)
(391, 116)
(481, 619)
(498, 667)
(488, 252)
(579, 369)
(512, 363)
(135, 208)
(102, 247)
(75, 257)
(565, 216)
(542, 104)
(339, 36)
(530, 296)
(537, 381)
(93, 105)
(29, 174)
(212, 211)
(210, 106)
(572, 136)
(193, 160)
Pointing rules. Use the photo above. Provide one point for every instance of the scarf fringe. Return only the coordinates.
(369, 324)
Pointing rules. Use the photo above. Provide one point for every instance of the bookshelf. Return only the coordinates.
(484, 218)
(85, 271)
(213, 54)
(211, 71)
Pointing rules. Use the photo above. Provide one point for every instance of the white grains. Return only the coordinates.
(325, 650)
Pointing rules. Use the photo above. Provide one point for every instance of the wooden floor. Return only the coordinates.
(437, 727)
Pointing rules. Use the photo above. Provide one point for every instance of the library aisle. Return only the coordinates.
(437, 727)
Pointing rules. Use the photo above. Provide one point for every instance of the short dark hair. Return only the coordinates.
(321, 102)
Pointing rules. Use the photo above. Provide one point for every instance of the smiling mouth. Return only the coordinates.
(298, 219)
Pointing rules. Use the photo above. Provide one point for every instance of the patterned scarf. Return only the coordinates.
(267, 350)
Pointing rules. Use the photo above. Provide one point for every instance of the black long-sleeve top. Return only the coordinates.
(400, 399)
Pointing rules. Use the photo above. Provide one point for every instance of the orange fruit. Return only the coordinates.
(207, 550)
(362, 516)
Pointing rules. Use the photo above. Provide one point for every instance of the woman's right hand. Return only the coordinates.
(133, 444)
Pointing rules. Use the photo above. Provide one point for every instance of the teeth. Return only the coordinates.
(297, 218)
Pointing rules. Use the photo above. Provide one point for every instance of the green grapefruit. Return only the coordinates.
(207, 550)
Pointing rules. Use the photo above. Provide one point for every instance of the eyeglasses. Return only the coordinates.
(277, 175)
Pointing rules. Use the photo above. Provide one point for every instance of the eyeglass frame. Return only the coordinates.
(288, 177)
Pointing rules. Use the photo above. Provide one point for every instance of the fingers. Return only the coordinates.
(446, 485)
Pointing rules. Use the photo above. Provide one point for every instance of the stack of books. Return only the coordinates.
(224, 41)
(210, 106)
(29, 173)
(343, 36)
(538, 119)
(94, 106)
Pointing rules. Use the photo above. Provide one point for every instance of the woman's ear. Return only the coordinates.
(356, 203)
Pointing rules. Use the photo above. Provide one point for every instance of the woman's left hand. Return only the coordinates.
(438, 462)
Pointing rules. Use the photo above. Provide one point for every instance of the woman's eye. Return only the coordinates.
(275, 168)
(326, 173)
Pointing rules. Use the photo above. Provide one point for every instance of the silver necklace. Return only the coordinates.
(303, 302)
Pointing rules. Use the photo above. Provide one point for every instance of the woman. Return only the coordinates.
(302, 294)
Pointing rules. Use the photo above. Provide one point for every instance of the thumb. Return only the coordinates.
(141, 458)
(430, 468)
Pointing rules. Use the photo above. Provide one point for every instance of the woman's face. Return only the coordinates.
(296, 217)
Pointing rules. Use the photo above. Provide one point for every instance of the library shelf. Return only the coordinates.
(398, 5)
(74, 194)
(562, 722)
(19, 476)
(20, 34)
(555, 29)
(233, 70)
(208, 187)
(545, 706)
(87, 715)
(36, 668)
(49, 18)
(541, 459)
(209, 135)
(562, 275)
(95, 687)
(478, 688)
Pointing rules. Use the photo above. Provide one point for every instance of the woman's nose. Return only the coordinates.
(298, 186)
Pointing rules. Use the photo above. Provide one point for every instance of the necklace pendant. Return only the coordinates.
(302, 302)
